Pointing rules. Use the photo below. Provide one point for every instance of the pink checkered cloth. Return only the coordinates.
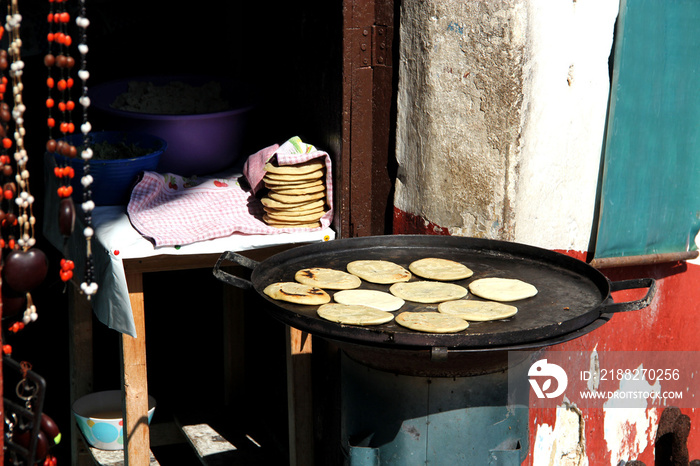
(172, 210)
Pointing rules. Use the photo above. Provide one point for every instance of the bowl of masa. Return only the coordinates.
(118, 159)
(204, 119)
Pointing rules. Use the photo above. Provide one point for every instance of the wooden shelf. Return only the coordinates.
(114, 458)
(90, 455)
(208, 447)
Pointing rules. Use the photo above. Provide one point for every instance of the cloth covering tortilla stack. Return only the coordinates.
(295, 189)
(172, 210)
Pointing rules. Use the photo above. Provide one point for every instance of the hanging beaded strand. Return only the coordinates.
(89, 286)
(58, 57)
(64, 62)
(24, 200)
(8, 218)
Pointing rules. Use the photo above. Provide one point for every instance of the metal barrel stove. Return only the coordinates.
(410, 397)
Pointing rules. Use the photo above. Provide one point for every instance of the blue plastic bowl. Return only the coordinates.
(113, 179)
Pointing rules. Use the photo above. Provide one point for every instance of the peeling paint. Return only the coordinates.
(411, 431)
(544, 440)
(563, 445)
(628, 431)
(594, 369)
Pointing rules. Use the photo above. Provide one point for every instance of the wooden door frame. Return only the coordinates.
(367, 164)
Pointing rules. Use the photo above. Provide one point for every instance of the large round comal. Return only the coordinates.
(113, 178)
(198, 143)
(100, 420)
(573, 299)
(571, 295)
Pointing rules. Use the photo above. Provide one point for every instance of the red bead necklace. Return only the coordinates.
(59, 64)
(59, 58)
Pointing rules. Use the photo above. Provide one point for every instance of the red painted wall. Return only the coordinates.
(670, 323)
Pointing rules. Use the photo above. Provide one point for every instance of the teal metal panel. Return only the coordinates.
(399, 420)
(650, 194)
(385, 412)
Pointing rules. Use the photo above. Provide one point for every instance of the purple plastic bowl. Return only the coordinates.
(198, 144)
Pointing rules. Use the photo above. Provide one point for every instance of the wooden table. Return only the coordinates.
(122, 256)
(133, 357)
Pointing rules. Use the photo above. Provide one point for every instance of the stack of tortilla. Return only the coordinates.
(296, 196)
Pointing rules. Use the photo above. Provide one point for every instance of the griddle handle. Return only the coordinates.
(231, 279)
(631, 285)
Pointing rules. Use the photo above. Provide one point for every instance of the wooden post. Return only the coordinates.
(365, 174)
(134, 383)
(234, 347)
(300, 398)
(81, 364)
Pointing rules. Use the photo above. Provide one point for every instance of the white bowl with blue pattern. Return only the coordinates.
(99, 417)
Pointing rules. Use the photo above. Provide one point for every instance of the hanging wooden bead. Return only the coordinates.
(66, 211)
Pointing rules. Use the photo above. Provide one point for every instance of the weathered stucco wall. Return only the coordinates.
(460, 98)
(501, 107)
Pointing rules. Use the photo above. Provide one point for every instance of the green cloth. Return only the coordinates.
(650, 194)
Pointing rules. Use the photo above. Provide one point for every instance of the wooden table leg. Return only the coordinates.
(234, 348)
(81, 364)
(134, 383)
(300, 398)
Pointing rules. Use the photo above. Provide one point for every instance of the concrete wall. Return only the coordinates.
(501, 117)
(460, 105)
(501, 110)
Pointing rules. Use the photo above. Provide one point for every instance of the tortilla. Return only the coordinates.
(354, 314)
(295, 198)
(296, 218)
(477, 311)
(296, 225)
(272, 184)
(289, 224)
(427, 291)
(298, 177)
(267, 202)
(295, 169)
(326, 278)
(433, 268)
(297, 293)
(299, 212)
(379, 271)
(431, 322)
(372, 298)
(292, 190)
(502, 289)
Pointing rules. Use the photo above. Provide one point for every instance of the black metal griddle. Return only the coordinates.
(573, 298)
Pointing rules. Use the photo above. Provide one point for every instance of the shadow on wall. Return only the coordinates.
(671, 446)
